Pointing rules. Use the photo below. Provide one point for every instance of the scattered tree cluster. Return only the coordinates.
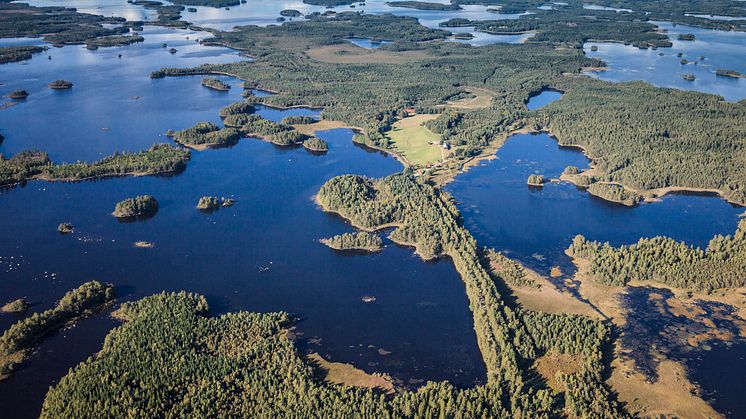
(507, 269)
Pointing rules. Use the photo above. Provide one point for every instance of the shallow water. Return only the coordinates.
(657, 321)
(536, 225)
(721, 49)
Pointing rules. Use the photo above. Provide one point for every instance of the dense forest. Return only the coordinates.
(661, 259)
(697, 140)
(573, 27)
(17, 342)
(28, 165)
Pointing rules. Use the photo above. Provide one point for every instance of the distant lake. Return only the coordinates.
(721, 50)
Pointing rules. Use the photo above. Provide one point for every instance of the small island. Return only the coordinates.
(215, 84)
(60, 85)
(689, 77)
(18, 94)
(536, 180)
(316, 145)
(686, 37)
(360, 240)
(65, 228)
(205, 135)
(594, 48)
(139, 206)
(211, 203)
(16, 306)
(208, 203)
(729, 73)
(291, 13)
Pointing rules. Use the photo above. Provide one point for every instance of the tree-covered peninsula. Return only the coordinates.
(30, 165)
(17, 342)
(359, 240)
(18, 53)
(508, 337)
(661, 259)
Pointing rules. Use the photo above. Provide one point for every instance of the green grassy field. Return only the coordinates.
(416, 143)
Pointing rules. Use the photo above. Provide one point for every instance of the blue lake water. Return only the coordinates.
(721, 49)
(115, 105)
(368, 43)
(262, 254)
(536, 225)
(543, 98)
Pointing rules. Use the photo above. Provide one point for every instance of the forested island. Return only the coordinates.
(536, 180)
(360, 240)
(16, 343)
(16, 306)
(316, 144)
(139, 206)
(60, 85)
(728, 73)
(30, 165)
(205, 135)
(614, 193)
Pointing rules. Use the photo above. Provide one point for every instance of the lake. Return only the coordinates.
(262, 254)
(536, 225)
(662, 67)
